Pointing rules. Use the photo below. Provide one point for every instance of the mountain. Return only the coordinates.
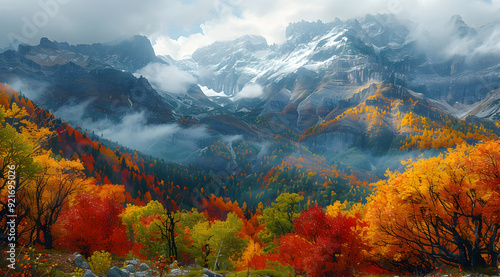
(95, 77)
(128, 54)
(100, 79)
(320, 64)
(334, 89)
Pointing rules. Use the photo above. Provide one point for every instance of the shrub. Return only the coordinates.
(100, 262)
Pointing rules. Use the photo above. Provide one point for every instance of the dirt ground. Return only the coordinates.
(64, 261)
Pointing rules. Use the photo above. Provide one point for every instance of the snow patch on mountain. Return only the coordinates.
(212, 93)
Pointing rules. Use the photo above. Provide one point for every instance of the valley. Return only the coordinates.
(353, 142)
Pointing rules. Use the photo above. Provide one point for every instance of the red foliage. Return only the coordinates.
(295, 251)
(258, 262)
(93, 224)
(137, 250)
(323, 245)
(312, 224)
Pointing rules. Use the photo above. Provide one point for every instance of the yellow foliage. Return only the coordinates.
(253, 248)
(444, 201)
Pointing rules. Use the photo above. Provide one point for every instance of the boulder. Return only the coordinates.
(210, 273)
(130, 268)
(89, 273)
(85, 265)
(117, 272)
(143, 267)
(79, 262)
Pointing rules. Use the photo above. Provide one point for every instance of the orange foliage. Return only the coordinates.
(444, 207)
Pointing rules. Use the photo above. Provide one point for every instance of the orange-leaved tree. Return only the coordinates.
(49, 194)
(440, 210)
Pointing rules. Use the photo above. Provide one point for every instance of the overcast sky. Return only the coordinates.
(178, 27)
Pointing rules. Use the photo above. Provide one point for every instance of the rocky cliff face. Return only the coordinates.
(322, 63)
(337, 85)
(95, 75)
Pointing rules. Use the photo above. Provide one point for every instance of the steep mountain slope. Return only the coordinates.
(57, 75)
(369, 86)
(255, 172)
(385, 117)
(322, 63)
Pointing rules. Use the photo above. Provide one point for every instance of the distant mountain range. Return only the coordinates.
(331, 87)
(321, 63)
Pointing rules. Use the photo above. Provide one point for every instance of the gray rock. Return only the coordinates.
(134, 261)
(89, 273)
(147, 273)
(178, 272)
(85, 265)
(79, 261)
(210, 273)
(117, 272)
(143, 267)
(131, 268)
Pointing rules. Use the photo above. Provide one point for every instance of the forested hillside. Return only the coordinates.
(80, 193)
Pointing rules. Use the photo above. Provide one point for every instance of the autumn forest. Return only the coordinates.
(286, 215)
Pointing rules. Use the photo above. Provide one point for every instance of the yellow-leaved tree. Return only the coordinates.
(17, 166)
(440, 210)
(44, 183)
(49, 194)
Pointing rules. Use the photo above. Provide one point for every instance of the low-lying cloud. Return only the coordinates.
(249, 91)
(168, 141)
(30, 88)
(166, 78)
(459, 39)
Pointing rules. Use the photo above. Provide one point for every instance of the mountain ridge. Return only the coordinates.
(314, 81)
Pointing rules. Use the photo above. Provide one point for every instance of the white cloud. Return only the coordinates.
(31, 88)
(178, 27)
(169, 141)
(72, 111)
(88, 21)
(133, 132)
(249, 91)
(166, 78)
(270, 18)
